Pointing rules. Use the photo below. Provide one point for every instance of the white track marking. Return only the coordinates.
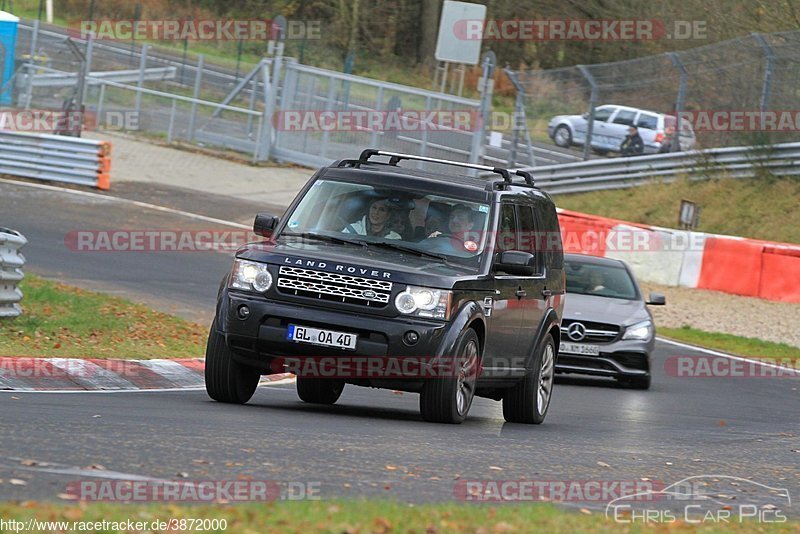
(147, 205)
(796, 372)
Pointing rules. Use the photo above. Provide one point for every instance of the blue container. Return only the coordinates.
(8, 41)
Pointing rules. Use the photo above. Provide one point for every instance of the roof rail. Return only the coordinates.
(396, 157)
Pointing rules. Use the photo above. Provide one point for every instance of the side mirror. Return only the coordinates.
(264, 224)
(585, 116)
(516, 262)
(656, 299)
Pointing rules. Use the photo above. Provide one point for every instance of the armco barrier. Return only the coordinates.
(56, 158)
(11, 262)
(670, 257)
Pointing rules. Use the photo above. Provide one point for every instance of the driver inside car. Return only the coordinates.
(376, 222)
(461, 220)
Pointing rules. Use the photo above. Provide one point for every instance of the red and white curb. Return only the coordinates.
(75, 374)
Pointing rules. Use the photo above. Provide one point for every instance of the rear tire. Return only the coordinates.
(319, 390)
(448, 399)
(528, 401)
(635, 382)
(226, 379)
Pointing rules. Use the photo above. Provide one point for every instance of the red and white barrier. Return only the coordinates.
(689, 259)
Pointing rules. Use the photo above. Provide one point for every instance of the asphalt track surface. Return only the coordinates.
(372, 442)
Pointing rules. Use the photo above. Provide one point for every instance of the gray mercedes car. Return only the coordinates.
(607, 329)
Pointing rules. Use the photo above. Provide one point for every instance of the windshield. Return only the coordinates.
(600, 280)
(418, 223)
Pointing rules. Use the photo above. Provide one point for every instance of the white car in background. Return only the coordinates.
(611, 123)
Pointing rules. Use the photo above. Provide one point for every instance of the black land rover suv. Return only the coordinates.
(385, 276)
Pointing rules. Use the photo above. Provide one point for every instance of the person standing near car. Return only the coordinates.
(670, 139)
(632, 145)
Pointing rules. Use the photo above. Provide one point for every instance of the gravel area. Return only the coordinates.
(713, 311)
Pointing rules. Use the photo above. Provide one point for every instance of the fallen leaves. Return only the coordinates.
(603, 464)
(17, 482)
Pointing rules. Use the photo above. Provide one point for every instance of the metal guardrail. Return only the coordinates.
(619, 173)
(11, 263)
(56, 158)
(66, 79)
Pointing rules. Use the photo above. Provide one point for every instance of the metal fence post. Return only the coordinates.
(766, 88)
(679, 100)
(89, 53)
(479, 135)
(100, 100)
(592, 103)
(196, 94)
(264, 139)
(140, 83)
(31, 65)
(171, 120)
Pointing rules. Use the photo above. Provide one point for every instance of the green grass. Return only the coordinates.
(760, 208)
(738, 345)
(368, 516)
(60, 320)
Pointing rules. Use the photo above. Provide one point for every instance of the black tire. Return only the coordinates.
(635, 382)
(528, 401)
(226, 379)
(562, 136)
(448, 399)
(319, 390)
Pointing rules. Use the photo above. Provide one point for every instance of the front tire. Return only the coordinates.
(319, 390)
(562, 136)
(448, 399)
(528, 401)
(226, 379)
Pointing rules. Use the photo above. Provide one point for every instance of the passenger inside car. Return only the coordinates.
(378, 221)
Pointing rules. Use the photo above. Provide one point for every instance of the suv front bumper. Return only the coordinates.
(261, 338)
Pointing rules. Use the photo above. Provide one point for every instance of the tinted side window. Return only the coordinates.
(625, 117)
(550, 236)
(506, 236)
(528, 234)
(647, 121)
(602, 114)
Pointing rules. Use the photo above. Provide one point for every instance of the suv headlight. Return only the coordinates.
(643, 330)
(424, 302)
(250, 276)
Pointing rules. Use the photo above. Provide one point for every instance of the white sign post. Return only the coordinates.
(460, 37)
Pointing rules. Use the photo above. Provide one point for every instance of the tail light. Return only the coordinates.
(659, 137)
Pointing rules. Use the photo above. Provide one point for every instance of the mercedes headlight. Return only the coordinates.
(250, 276)
(424, 302)
(643, 330)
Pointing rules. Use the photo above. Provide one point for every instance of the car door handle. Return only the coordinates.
(546, 292)
(520, 293)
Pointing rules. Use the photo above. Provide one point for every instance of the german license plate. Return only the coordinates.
(579, 348)
(317, 336)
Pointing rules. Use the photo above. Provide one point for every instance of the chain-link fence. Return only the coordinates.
(732, 93)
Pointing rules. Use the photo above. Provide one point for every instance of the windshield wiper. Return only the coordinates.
(411, 250)
(324, 237)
